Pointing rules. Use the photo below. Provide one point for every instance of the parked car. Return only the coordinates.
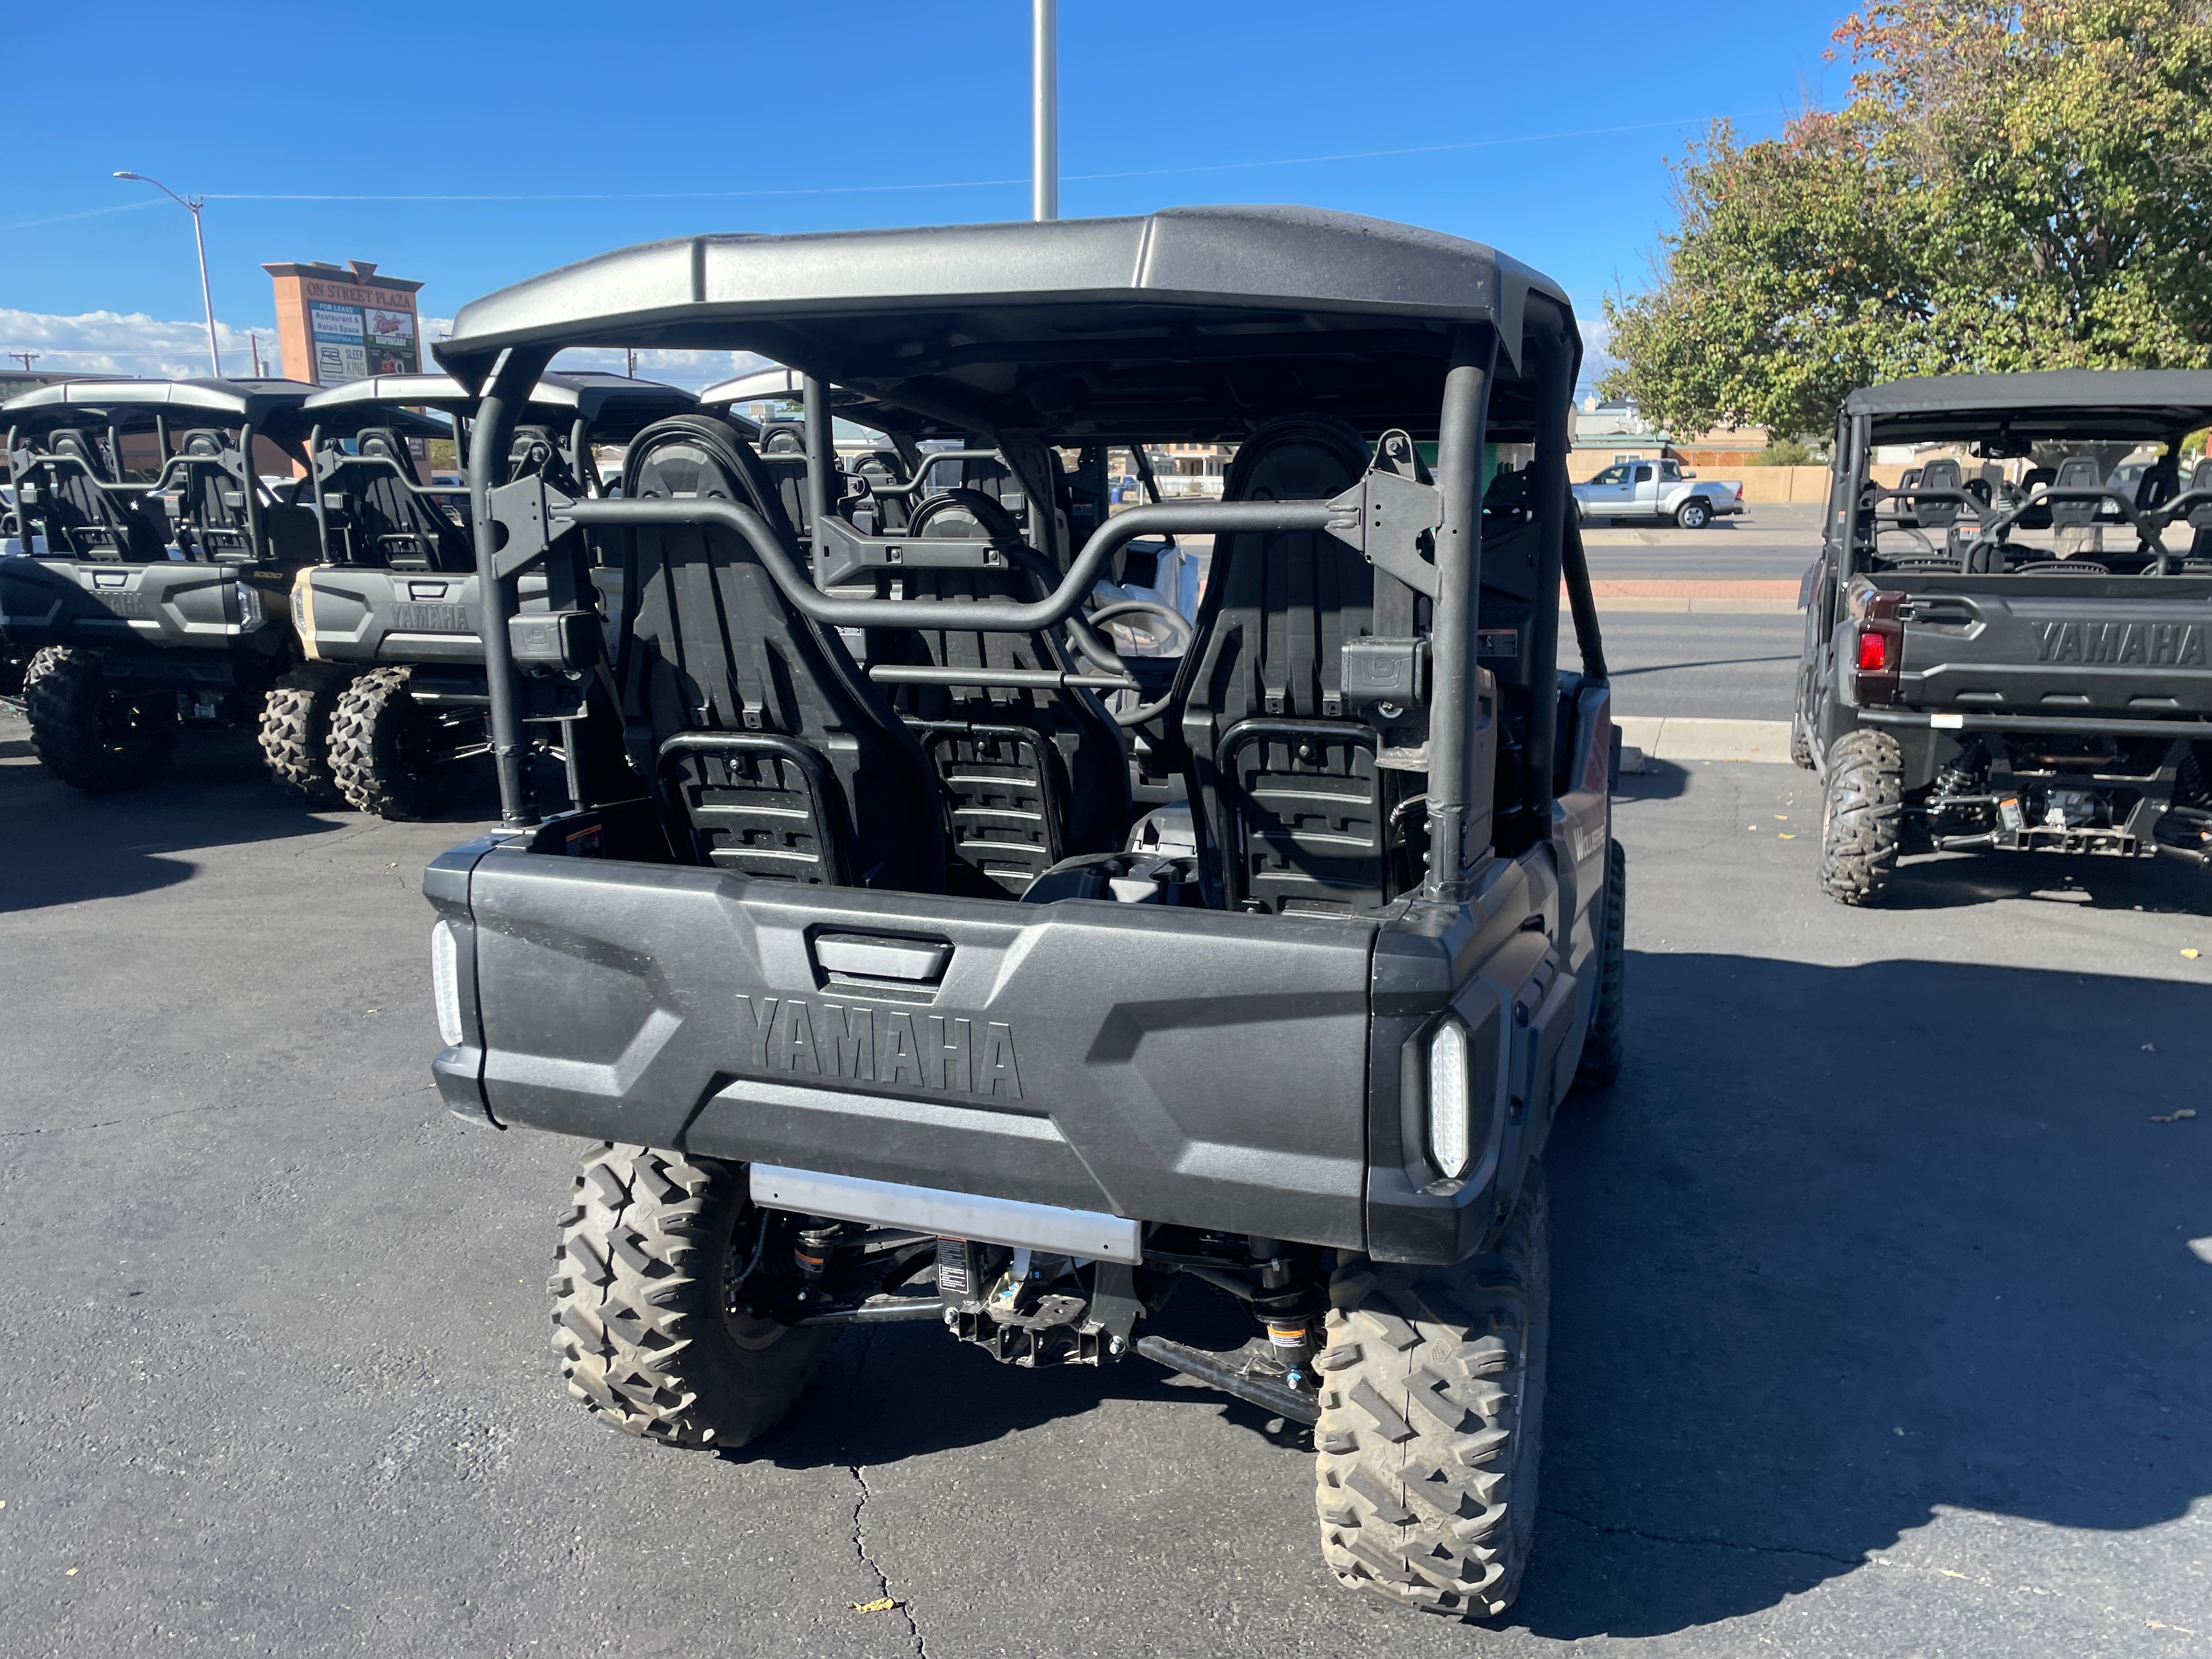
(1657, 489)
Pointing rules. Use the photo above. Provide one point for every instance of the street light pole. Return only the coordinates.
(192, 204)
(1044, 110)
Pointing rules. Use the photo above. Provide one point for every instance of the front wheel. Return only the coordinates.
(1432, 1421)
(396, 756)
(88, 734)
(295, 731)
(647, 1312)
(1692, 514)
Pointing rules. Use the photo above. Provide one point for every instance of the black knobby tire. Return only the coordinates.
(385, 749)
(89, 736)
(1692, 514)
(1863, 817)
(641, 1321)
(1606, 1046)
(295, 731)
(1431, 1423)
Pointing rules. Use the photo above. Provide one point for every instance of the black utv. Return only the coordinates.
(2010, 649)
(879, 998)
(151, 557)
(389, 613)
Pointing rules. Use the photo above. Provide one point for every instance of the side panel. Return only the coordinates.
(687, 1008)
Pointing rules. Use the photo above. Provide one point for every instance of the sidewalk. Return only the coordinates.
(1746, 597)
(1673, 738)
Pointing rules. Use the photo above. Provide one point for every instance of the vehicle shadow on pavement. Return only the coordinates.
(64, 847)
(863, 1414)
(1851, 1247)
(1660, 779)
(1952, 881)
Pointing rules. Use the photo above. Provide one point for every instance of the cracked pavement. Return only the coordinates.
(1876, 1332)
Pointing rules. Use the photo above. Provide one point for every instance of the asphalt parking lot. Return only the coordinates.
(1879, 1327)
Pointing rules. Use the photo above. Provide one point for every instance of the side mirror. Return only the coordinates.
(1689, 474)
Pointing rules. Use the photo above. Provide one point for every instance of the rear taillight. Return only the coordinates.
(1874, 654)
(1450, 1145)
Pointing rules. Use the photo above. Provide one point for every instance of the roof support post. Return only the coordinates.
(497, 417)
(1547, 489)
(1453, 712)
(821, 457)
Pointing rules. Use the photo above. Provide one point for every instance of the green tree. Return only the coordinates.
(2012, 187)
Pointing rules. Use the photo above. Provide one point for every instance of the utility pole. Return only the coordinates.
(26, 358)
(629, 362)
(192, 204)
(253, 343)
(1044, 110)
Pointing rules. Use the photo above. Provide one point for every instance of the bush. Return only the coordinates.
(1784, 452)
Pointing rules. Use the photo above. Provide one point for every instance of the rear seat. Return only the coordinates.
(771, 753)
(1032, 775)
(395, 527)
(1296, 814)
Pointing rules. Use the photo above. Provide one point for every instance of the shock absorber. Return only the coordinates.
(811, 1254)
(1287, 1308)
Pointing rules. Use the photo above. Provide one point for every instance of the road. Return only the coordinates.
(1878, 1329)
(1766, 543)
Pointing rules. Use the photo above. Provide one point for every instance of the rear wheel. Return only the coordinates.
(646, 1317)
(1693, 515)
(88, 734)
(398, 757)
(1431, 1421)
(1606, 1046)
(295, 731)
(1862, 815)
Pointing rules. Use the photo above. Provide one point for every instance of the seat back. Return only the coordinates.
(82, 519)
(1032, 775)
(1932, 514)
(2200, 517)
(1295, 815)
(770, 752)
(392, 526)
(214, 507)
(2077, 472)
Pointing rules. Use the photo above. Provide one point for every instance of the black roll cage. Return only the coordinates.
(235, 461)
(1391, 515)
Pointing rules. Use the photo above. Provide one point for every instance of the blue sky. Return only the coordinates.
(1544, 130)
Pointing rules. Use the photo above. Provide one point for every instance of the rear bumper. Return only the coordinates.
(180, 606)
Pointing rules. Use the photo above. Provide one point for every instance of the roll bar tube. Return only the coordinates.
(1460, 430)
(497, 417)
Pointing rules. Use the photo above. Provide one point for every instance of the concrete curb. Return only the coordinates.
(1667, 738)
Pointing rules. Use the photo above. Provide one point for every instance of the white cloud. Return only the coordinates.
(110, 343)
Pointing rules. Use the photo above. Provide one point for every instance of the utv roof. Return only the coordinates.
(2072, 402)
(214, 402)
(1204, 318)
(617, 406)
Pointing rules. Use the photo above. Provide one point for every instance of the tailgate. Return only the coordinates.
(59, 601)
(1176, 1065)
(2046, 651)
(364, 613)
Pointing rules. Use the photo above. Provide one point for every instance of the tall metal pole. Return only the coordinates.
(1044, 110)
(192, 204)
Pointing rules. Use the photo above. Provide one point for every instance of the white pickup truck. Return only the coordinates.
(1657, 489)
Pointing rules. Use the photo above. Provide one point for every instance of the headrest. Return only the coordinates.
(201, 440)
(1940, 475)
(383, 440)
(1299, 458)
(2079, 472)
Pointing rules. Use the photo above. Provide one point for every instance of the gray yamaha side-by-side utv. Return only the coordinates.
(389, 615)
(2012, 651)
(882, 999)
(149, 572)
